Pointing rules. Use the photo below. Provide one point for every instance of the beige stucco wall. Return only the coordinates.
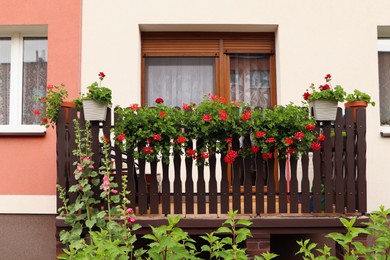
(313, 38)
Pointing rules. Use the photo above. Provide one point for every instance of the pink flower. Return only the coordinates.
(311, 127)
(106, 182)
(37, 112)
(204, 155)
(306, 95)
(270, 140)
(114, 191)
(213, 97)
(222, 115)
(288, 141)
(157, 137)
(121, 137)
(260, 134)
(315, 146)
(79, 167)
(191, 152)
(186, 107)
(207, 118)
(299, 135)
(130, 211)
(230, 157)
(321, 137)
(247, 115)
(49, 87)
(181, 140)
(254, 149)
(101, 75)
(162, 114)
(86, 159)
(134, 107)
(147, 150)
(159, 100)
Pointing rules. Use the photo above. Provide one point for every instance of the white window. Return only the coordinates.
(23, 75)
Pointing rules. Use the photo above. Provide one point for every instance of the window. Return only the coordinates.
(184, 67)
(23, 74)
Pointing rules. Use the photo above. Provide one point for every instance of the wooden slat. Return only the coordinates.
(201, 185)
(350, 160)
(177, 190)
(166, 195)
(189, 194)
(96, 157)
(118, 161)
(236, 180)
(361, 160)
(328, 167)
(260, 174)
(282, 186)
(293, 186)
(339, 155)
(305, 184)
(131, 178)
(213, 202)
(271, 186)
(224, 186)
(247, 170)
(142, 191)
(153, 188)
(317, 179)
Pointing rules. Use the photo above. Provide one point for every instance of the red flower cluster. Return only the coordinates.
(321, 137)
(187, 107)
(157, 137)
(254, 149)
(37, 112)
(324, 87)
(247, 115)
(134, 107)
(315, 146)
(299, 135)
(121, 137)
(106, 139)
(181, 139)
(230, 157)
(270, 140)
(229, 140)
(267, 156)
(288, 141)
(311, 127)
(306, 95)
(328, 77)
(159, 100)
(204, 155)
(147, 150)
(191, 152)
(101, 75)
(260, 134)
(291, 150)
(207, 117)
(162, 114)
(49, 87)
(222, 115)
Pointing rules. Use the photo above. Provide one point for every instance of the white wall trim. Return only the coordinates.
(28, 204)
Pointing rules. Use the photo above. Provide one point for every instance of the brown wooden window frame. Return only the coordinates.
(209, 44)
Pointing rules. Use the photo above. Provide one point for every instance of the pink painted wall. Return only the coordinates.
(28, 164)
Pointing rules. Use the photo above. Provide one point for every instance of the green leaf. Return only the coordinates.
(90, 223)
(224, 230)
(244, 222)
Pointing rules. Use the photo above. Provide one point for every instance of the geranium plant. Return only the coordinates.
(55, 95)
(358, 95)
(325, 91)
(99, 93)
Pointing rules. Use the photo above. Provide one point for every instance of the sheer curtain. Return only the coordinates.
(179, 80)
(5, 72)
(384, 90)
(249, 79)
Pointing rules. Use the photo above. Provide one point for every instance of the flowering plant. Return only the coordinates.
(55, 95)
(287, 129)
(325, 92)
(357, 95)
(99, 93)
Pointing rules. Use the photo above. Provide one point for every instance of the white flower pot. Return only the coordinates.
(94, 111)
(324, 110)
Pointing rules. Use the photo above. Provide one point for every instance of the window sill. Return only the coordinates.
(385, 131)
(25, 130)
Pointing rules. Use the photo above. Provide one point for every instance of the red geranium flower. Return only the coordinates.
(121, 137)
(291, 150)
(270, 140)
(49, 87)
(324, 87)
(163, 114)
(44, 120)
(247, 115)
(321, 137)
(101, 75)
(159, 100)
(222, 115)
(230, 157)
(157, 137)
(106, 139)
(181, 140)
(306, 95)
(229, 140)
(186, 107)
(315, 146)
(254, 149)
(288, 141)
(311, 127)
(191, 152)
(42, 99)
(147, 150)
(260, 134)
(207, 118)
(204, 155)
(148, 140)
(37, 112)
(328, 77)
(134, 107)
(267, 156)
(299, 135)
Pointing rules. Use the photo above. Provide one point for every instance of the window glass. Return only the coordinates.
(34, 77)
(384, 90)
(5, 72)
(179, 79)
(250, 79)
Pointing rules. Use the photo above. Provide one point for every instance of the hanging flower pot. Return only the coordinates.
(67, 105)
(355, 105)
(94, 111)
(324, 110)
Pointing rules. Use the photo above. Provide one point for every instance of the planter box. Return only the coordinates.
(324, 110)
(94, 111)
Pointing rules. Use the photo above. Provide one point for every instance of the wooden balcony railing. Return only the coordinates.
(331, 180)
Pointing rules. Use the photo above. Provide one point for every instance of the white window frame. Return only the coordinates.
(384, 46)
(15, 125)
